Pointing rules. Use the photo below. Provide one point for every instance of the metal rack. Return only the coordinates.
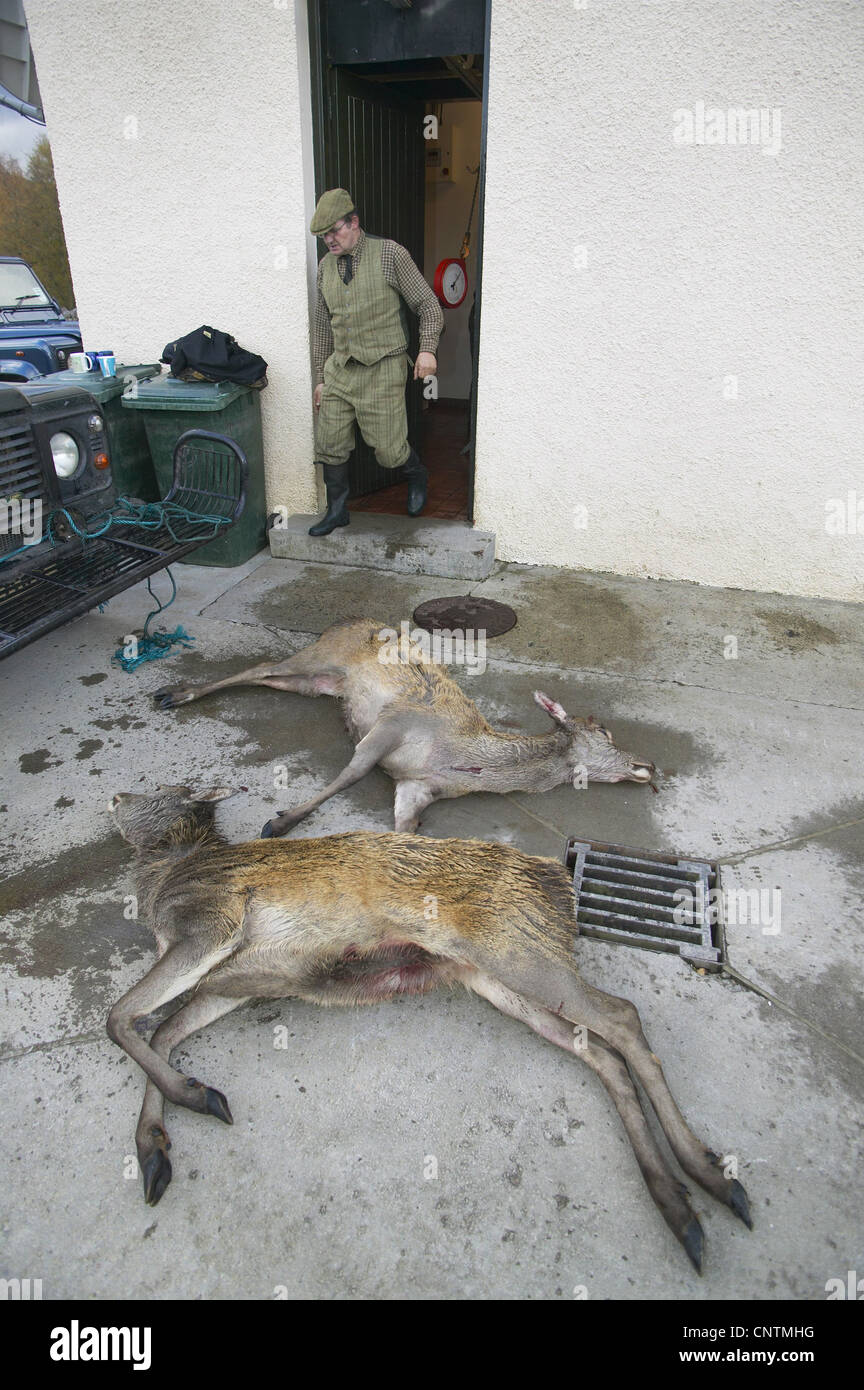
(658, 901)
(46, 589)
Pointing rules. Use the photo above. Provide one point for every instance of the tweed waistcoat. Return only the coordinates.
(366, 315)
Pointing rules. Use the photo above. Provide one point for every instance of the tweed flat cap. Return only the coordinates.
(332, 205)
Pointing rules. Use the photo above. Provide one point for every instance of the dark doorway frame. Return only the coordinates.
(319, 92)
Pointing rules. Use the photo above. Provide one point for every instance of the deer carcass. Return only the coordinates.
(344, 920)
(412, 719)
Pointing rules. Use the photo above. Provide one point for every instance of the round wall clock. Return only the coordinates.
(451, 282)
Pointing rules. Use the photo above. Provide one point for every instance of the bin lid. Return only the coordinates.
(171, 393)
(104, 388)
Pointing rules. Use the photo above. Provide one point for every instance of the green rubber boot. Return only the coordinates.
(336, 483)
(418, 476)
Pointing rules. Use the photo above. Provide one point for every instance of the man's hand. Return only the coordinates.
(426, 365)
(316, 398)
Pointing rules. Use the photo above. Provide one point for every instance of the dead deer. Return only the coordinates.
(412, 719)
(346, 919)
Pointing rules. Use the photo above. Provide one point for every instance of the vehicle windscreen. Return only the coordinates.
(19, 289)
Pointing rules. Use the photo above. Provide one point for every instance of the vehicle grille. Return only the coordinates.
(69, 579)
(27, 598)
(20, 472)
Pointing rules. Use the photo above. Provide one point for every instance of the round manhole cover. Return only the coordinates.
(465, 612)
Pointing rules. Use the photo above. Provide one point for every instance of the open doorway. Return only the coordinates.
(450, 210)
(378, 73)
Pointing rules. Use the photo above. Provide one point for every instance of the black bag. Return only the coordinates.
(210, 355)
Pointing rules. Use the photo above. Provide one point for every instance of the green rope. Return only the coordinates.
(152, 646)
(150, 516)
(20, 551)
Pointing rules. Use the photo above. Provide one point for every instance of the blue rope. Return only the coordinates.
(23, 549)
(151, 516)
(9, 553)
(152, 646)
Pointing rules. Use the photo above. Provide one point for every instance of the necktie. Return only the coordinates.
(347, 269)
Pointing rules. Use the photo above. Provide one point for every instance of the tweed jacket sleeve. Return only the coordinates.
(417, 293)
(322, 334)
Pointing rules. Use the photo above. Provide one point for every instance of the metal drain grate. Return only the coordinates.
(657, 901)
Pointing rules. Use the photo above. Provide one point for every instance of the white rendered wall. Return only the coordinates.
(178, 133)
(604, 385)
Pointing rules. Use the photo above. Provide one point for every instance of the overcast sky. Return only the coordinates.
(18, 135)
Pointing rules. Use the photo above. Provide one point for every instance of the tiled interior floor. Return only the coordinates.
(446, 425)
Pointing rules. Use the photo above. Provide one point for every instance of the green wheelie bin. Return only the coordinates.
(171, 406)
(131, 464)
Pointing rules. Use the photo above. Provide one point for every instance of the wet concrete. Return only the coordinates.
(659, 630)
(431, 1148)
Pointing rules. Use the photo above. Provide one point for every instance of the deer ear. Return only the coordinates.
(215, 794)
(552, 707)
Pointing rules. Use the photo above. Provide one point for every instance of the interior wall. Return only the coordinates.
(181, 144)
(670, 367)
(447, 208)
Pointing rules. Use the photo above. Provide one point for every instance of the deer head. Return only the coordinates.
(174, 814)
(593, 754)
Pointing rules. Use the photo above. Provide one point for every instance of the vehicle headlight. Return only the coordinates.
(65, 454)
(62, 354)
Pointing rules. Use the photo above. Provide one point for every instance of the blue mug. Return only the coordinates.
(95, 361)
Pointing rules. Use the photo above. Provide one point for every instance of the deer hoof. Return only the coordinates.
(167, 698)
(205, 1100)
(693, 1240)
(216, 1104)
(280, 823)
(739, 1203)
(156, 1171)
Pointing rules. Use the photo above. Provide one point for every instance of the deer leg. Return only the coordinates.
(295, 675)
(179, 969)
(410, 802)
(702, 1164)
(381, 739)
(621, 1027)
(617, 1022)
(669, 1194)
(151, 1138)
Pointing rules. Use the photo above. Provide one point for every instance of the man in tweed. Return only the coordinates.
(359, 351)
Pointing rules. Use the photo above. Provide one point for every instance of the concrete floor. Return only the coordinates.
(322, 1186)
